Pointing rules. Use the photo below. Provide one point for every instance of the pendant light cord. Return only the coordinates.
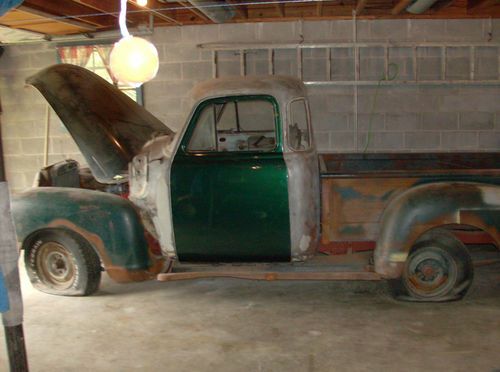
(123, 18)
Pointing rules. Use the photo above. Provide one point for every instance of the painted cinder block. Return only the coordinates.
(477, 120)
(424, 140)
(438, 121)
(381, 141)
(342, 141)
(459, 140)
(489, 141)
(401, 122)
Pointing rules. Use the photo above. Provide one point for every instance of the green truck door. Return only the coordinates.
(229, 184)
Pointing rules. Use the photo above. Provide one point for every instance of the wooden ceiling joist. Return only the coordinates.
(241, 10)
(280, 8)
(71, 9)
(400, 6)
(156, 13)
(110, 8)
(477, 6)
(319, 8)
(55, 19)
(360, 6)
(64, 17)
(195, 11)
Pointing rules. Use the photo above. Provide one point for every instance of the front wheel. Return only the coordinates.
(438, 269)
(62, 263)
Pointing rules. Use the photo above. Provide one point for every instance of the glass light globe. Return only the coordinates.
(134, 61)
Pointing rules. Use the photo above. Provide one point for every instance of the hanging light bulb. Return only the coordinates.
(133, 60)
(142, 2)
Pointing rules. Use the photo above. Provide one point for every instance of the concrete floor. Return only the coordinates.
(233, 325)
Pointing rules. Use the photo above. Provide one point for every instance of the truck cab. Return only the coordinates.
(241, 181)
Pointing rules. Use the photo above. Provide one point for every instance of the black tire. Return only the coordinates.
(438, 269)
(63, 263)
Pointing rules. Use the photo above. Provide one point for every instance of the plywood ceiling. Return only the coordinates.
(66, 17)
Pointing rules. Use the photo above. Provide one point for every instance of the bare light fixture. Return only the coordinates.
(133, 60)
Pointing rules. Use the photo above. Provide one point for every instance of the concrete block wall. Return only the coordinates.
(403, 118)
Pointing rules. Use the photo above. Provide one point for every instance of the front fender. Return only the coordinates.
(110, 223)
(424, 207)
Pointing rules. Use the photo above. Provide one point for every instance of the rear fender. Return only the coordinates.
(425, 207)
(109, 223)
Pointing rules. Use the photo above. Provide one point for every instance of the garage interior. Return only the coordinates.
(382, 76)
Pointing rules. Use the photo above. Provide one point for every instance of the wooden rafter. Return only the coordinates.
(195, 11)
(71, 9)
(110, 8)
(360, 6)
(474, 6)
(440, 6)
(280, 8)
(241, 10)
(319, 8)
(157, 13)
(51, 18)
(400, 6)
(98, 15)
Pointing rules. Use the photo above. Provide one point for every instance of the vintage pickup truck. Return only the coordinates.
(240, 191)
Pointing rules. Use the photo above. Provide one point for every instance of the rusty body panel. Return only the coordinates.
(107, 125)
(353, 267)
(428, 206)
(356, 188)
(270, 276)
(110, 224)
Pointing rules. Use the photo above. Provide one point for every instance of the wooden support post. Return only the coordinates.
(13, 316)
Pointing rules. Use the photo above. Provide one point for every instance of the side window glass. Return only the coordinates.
(298, 130)
(203, 138)
(235, 125)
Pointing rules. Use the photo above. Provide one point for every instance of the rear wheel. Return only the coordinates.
(62, 263)
(439, 268)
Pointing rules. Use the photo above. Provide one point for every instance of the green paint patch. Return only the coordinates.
(349, 193)
(352, 230)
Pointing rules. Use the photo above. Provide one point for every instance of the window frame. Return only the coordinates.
(309, 127)
(233, 98)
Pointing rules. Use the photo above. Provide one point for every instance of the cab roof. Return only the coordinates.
(283, 88)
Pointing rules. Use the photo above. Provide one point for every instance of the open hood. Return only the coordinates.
(108, 126)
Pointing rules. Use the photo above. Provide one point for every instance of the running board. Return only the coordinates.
(270, 276)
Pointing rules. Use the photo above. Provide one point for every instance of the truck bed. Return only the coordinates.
(401, 165)
(356, 188)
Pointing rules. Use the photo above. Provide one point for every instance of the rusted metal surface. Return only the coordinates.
(352, 208)
(358, 189)
(108, 127)
(473, 236)
(283, 88)
(489, 262)
(270, 276)
(117, 273)
(346, 247)
(304, 196)
(410, 165)
(428, 206)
